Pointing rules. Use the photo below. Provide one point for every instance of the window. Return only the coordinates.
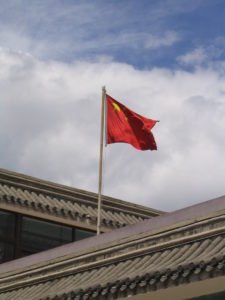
(21, 235)
(81, 234)
(40, 235)
(7, 236)
(6, 251)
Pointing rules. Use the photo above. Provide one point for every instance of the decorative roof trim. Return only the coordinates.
(148, 281)
(47, 271)
(66, 205)
(59, 190)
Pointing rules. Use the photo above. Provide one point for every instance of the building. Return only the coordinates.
(178, 255)
(36, 215)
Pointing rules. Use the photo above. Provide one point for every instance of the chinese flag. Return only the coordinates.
(125, 126)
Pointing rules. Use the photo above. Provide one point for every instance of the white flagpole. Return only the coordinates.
(100, 162)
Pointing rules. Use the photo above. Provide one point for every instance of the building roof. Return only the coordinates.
(169, 250)
(56, 202)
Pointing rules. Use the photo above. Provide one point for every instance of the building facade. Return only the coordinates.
(177, 255)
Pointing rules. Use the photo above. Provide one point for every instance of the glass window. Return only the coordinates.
(7, 226)
(6, 251)
(83, 234)
(40, 235)
(21, 235)
(7, 236)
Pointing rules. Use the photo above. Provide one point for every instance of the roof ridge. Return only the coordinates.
(19, 179)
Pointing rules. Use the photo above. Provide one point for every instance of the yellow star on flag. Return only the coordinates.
(116, 106)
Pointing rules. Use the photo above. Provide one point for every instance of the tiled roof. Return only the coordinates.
(48, 199)
(175, 265)
(189, 246)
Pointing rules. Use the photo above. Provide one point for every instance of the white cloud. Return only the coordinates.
(204, 54)
(195, 57)
(50, 123)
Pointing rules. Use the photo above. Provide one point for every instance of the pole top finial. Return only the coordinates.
(104, 89)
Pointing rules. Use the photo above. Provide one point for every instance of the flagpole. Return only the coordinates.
(100, 162)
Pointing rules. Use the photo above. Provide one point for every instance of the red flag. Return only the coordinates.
(125, 126)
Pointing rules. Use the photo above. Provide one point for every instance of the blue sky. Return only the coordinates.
(144, 33)
(163, 59)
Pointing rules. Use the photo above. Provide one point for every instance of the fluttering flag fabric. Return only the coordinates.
(126, 126)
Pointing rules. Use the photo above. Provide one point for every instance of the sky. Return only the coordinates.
(163, 59)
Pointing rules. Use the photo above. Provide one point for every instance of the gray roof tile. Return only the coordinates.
(132, 273)
(52, 199)
(48, 201)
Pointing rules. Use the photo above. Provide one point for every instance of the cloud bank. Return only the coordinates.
(50, 128)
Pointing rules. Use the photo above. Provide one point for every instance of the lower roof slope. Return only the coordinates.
(170, 250)
(160, 268)
(44, 199)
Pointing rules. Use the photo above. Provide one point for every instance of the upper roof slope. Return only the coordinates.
(56, 202)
